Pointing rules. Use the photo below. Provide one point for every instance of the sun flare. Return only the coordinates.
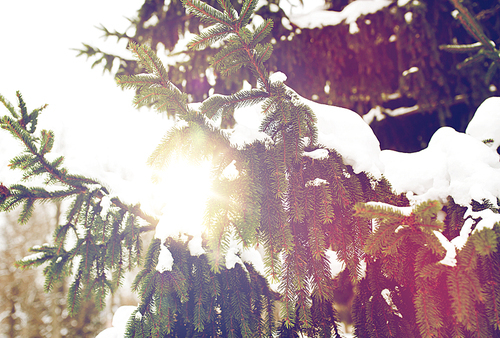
(185, 189)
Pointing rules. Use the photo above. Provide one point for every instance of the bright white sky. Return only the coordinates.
(95, 123)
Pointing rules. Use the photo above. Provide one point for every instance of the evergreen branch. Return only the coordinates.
(386, 212)
(246, 12)
(209, 36)
(29, 141)
(320, 275)
(494, 66)
(206, 12)
(263, 52)
(150, 61)
(226, 57)
(105, 57)
(428, 318)
(74, 296)
(228, 8)
(471, 25)
(135, 210)
(163, 98)
(461, 302)
(9, 106)
(217, 103)
(261, 32)
(139, 81)
(227, 70)
(18, 132)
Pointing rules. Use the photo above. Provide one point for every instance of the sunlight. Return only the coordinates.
(185, 188)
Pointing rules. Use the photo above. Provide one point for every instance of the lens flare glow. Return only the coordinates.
(185, 187)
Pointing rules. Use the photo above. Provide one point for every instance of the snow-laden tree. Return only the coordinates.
(380, 57)
(296, 188)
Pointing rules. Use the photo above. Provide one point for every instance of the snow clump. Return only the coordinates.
(119, 323)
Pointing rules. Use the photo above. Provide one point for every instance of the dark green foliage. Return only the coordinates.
(98, 247)
(484, 47)
(404, 250)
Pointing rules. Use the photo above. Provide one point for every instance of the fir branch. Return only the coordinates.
(228, 8)
(213, 106)
(494, 66)
(246, 12)
(139, 81)
(9, 107)
(206, 12)
(74, 296)
(209, 36)
(428, 318)
(261, 32)
(135, 210)
(471, 25)
(149, 60)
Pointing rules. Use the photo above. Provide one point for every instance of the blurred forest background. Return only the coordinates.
(393, 64)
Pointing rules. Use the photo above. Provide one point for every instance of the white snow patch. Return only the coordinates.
(449, 259)
(278, 77)
(110, 332)
(318, 154)
(119, 323)
(247, 127)
(454, 164)
(34, 256)
(346, 132)
(316, 182)
(401, 110)
(386, 294)
(257, 20)
(237, 254)
(195, 246)
(320, 17)
(232, 252)
(254, 257)
(230, 172)
(374, 113)
(485, 125)
(460, 240)
(408, 17)
(274, 8)
(153, 21)
(488, 218)
(336, 265)
(338, 128)
(362, 267)
(105, 204)
(412, 69)
(165, 260)
(286, 23)
(232, 258)
(353, 28)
